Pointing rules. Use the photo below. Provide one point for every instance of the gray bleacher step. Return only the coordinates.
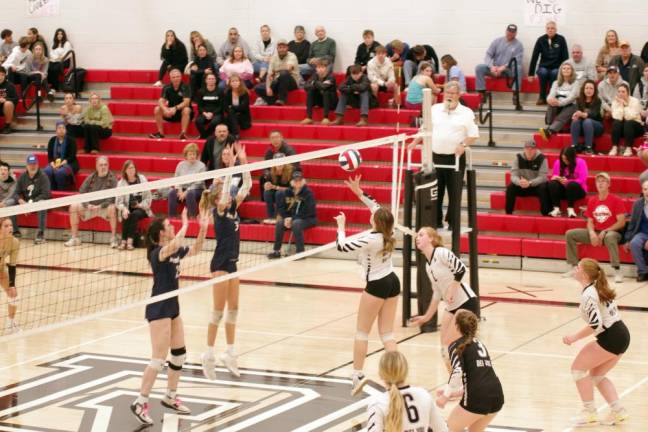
(506, 137)
(518, 119)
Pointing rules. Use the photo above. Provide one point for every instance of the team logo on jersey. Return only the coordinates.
(602, 213)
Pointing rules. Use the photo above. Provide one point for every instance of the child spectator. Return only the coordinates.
(354, 91)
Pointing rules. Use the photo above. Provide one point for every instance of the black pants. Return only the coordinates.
(629, 130)
(572, 192)
(513, 191)
(92, 134)
(280, 86)
(129, 225)
(75, 131)
(326, 99)
(558, 117)
(54, 71)
(237, 121)
(196, 80)
(446, 179)
(166, 67)
(206, 127)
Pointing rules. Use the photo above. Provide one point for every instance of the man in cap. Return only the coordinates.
(607, 89)
(283, 76)
(528, 178)
(32, 186)
(630, 65)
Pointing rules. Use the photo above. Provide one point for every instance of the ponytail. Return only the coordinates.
(384, 223)
(393, 371)
(597, 276)
(394, 420)
(467, 324)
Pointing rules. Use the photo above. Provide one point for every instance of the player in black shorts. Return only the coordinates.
(225, 196)
(473, 373)
(165, 251)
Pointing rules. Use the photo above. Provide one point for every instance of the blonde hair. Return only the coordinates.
(191, 147)
(384, 223)
(561, 78)
(596, 275)
(393, 370)
(435, 237)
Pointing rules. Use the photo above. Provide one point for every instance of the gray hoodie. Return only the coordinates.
(607, 92)
(7, 188)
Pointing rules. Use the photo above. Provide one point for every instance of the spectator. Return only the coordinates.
(7, 185)
(561, 101)
(263, 52)
(366, 50)
(320, 91)
(609, 49)
(34, 37)
(453, 72)
(8, 101)
(197, 39)
(630, 65)
(7, 45)
(568, 181)
(60, 48)
(584, 68)
(211, 152)
(210, 107)
(418, 54)
(420, 81)
(101, 179)
(322, 48)
(189, 193)
(528, 178)
(38, 68)
(32, 186)
(97, 124)
(274, 187)
(278, 145)
(233, 40)
(380, 72)
(62, 159)
(283, 76)
(173, 55)
(173, 106)
(132, 208)
(301, 48)
(19, 62)
(296, 212)
(607, 90)
(202, 65)
(644, 53)
(397, 52)
(238, 64)
(605, 220)
(354, 91)
(636, 236)
(498, 61)
(551, 50)
(641, 91)
(72, 114)
(587, 120)
(237, 106)
(626, 124)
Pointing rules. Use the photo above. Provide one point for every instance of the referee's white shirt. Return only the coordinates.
(450, 128)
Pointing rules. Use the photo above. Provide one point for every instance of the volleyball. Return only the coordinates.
(350, 160)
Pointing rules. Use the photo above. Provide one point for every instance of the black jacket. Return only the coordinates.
(241, 111)
(300, 206)
(635, 220)
(592, 109)
(210, 101)
(321, 84)
(636, 66)
(34, 189)
(68, 152)
(205, 63)
(551, 55)
(364, 53)
(350, 86)
(176, 55)
(430, 56)
(207, 155)
(644, 53)
(300, 49)
(287, 150)
(8, 91)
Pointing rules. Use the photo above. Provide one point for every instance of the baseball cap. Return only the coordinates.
(282, 42)
(59, 123)
(530, 143)
(32, 159)
(624, 43)
(511, 28)
(297, 175)
(604, 175)
(612, 69)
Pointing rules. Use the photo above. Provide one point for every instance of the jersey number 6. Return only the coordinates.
(412, 412)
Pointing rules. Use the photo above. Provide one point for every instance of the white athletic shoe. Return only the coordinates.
(569, 273)
(358, 381)
(618, 276)
(208, 366)
(157, 84)
(175, 404)
(114, 243)
(11, 327)
(555, 212)
(229, 360)
(627, 152)
(615, 417)
(141, 411)
(614, 151)
(571, 213)
(260, 102)
(73, 241)
(585, 418)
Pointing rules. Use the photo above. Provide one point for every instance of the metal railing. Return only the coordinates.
(28, 104)
(487, 115)
(512, 79)
(73, 67)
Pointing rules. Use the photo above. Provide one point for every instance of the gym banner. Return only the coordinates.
(43, 8)
(538, 12)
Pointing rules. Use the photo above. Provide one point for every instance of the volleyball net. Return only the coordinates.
(60, 281)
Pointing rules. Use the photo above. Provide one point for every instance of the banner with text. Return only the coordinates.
(43, 8)
(538, 12)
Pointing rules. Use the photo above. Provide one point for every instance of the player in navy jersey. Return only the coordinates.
(598, 357)
(380, 297)
(226, 195)
(165, 251)
(472, 376)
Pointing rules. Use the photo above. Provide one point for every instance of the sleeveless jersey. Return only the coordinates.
(420, 414)
(166, 273)
(227, 231)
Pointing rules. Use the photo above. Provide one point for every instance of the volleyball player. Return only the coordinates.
(597, 358)
(380, 297)
(165, 251)
(472, 376)
(446, 272)
(9, 246)
(226, 196)
(402, 407)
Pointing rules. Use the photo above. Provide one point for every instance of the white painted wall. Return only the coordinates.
(117, 34)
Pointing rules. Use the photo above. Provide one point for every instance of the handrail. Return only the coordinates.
(514, 78)
(72, 54)
(36, 101)
(487, 116)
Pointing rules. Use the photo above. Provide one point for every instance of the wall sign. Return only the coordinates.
(538, 12)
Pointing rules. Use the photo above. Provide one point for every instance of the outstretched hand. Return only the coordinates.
(354, 184)
(341, 220)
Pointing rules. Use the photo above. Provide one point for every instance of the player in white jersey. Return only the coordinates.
(402, 408)
(446, 272)
(380, 297)
(597, 358)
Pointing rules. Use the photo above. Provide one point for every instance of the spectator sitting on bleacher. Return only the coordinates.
(627, 123)
(366, 51)
(609, 49)
(561, 101)
(35, 37)
(32, 186)
(210, 107)
(101, 179)
(607, 90)
(197, 39)
(551, 50)
(173, 106)
(453, 72)
(416, 55)
(283, 77)
(498, 57)
(60, 48)
(97, 124)
(211, 152)
(300, 47)
(278, 145)
(62, 159)
(7, 185)
(38, 68)
(202, 65)
(380, 72)
(528, 178)
(7, 45)
(237, 106)
(397, 52)
(274, 186)
(188, 193)
(568, 181)
(233, 40)
(630, 65)
(173, 55)
(587, 120)
(322, 48)
(641, 92)
(422, 80)
(296, 212)
(605, 220)
(320, 91)
(584, 68)
(354, 91)
(19, 61)
(636, 236)
(132, 208)
(238, 64)
(8, 101)
(263, 51)
(72, 114)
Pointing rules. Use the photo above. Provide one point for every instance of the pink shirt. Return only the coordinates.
(243, 69)
(579, 175)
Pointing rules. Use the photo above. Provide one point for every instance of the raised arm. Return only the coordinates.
(202, 233)
(354, 184)
(170, 248)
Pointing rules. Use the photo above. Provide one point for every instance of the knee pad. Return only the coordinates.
(157, 364)
(230, 316)
(178, 357)
(13, 301)
(597, 379)
(578, 375)
(387, 337)
(361, 336)
(216, 317)
(444, 353)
